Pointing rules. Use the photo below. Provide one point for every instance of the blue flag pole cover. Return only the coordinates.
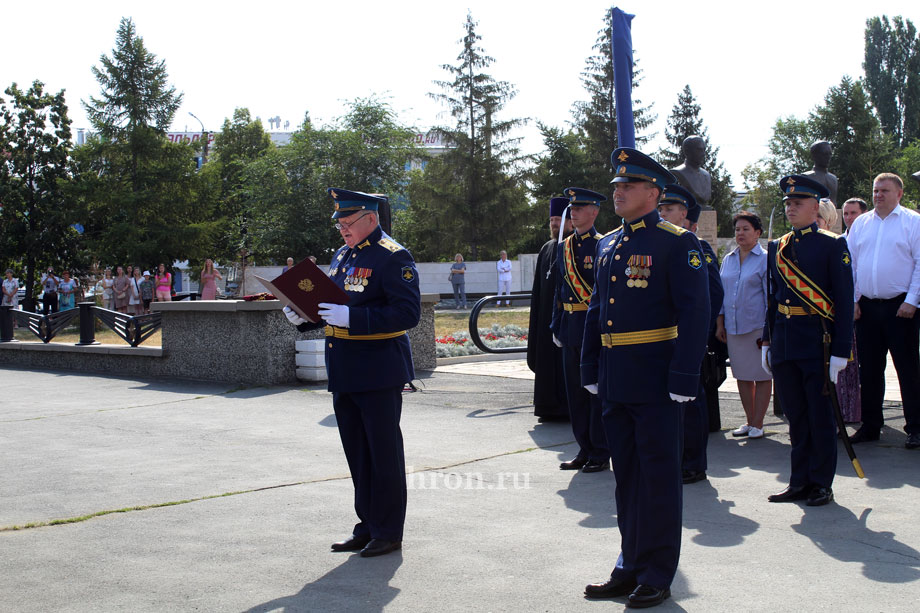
(622, 51)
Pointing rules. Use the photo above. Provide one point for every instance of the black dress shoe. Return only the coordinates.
(820, 496)
(864, 435)
(353, 543)
(612, 588)
(593, 466)
(913, 441)
(791, 493)
(378, 547)
(575, 464)
(646, 596)
(692, 476)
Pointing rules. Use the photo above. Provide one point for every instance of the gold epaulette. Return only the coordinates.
(669, 227)
(828, 233)
(612, 231)
(390, 244)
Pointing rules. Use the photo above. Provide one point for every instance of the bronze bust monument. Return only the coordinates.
(690, 175)
(821, 156)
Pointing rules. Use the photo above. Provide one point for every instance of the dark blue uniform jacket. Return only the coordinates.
(390, 302)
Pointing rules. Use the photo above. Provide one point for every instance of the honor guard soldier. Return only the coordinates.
(645, 334)
(575, 262)
(679, 207)
(810, 304)
(368, 361)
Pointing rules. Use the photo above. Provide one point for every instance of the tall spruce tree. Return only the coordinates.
(470, 198)
(596, 118)
(684, 121)
(892, 65)
(148, 203)
(36, 214)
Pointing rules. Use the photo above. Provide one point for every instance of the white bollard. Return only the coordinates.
(311, 360)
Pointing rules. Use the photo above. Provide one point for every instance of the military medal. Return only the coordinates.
(638, 269)
(589, 262)
(367, 274)
(350, 279)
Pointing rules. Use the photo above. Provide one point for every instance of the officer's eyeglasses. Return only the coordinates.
(341, 225)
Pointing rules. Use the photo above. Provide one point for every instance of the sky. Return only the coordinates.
(747, 63)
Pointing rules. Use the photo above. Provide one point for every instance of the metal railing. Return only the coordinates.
(133, 329)
(474, 322)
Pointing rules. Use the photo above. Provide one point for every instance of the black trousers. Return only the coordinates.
(49, 303)
(812, 425)
(878, 331)
(584, 410)
(369, 428)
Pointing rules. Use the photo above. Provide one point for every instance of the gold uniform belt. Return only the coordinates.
(344, 333)
(789, 311)
(639, 337)
(575, 307)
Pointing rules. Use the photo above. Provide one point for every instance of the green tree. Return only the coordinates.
(36, 216)
(906, 164)
(685, 121)
(470, 198)
(365, 150)
(596, 118)
(561, 165)
(763, 197)
(861, 150)
(892, 65)
(148, 204)
(240, 141)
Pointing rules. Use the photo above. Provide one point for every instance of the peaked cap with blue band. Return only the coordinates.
(800, 186)
(348, 202)
(631, 165)
(557, 205)
(578, 196)
(675, 194)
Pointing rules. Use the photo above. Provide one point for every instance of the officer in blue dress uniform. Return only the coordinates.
(810, 282)
(575, 262)
(368, 361)
(645, 334)
(680, 208)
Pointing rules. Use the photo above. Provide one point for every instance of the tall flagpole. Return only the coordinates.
(622, 53)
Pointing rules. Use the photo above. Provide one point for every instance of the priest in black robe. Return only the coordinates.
(543, 357)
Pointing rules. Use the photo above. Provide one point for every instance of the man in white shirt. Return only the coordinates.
(885, 246)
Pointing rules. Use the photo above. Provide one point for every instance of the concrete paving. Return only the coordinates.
(199, 497)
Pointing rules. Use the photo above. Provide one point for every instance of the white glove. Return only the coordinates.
(592, 388)
(837, 364)
(556, 341)
(293, 317)
(334, 314)
(678, 398)
(765, 358)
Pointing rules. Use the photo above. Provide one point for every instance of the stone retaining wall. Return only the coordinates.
(214, 340)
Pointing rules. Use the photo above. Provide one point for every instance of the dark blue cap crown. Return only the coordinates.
(800, 186)
(557, 205)
(631, 165)
(675, 194)
(348, 202)
(578, 196)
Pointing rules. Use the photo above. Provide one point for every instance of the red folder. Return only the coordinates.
(303, 287)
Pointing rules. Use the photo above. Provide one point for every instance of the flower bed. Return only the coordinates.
(459, 343)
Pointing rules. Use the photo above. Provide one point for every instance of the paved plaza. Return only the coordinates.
(185, 496)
